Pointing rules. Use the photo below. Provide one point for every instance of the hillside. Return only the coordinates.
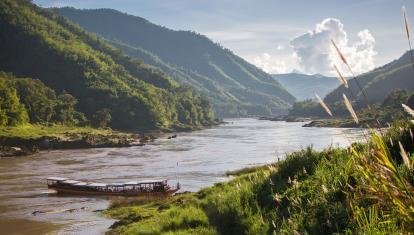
(39, 44)
(379, 83)
(304, 86)
(235, 87)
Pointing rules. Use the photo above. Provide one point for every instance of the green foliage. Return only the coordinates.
(12, 111)
(37, 43)
(34, 131)
(39, 100)
(101, 118)
(39, 103)
(233, 86)
(65, 110)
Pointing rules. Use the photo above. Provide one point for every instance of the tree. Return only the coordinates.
(101, 118)
(39, 100)
(395, 99)
(65, 109)
(12, 112)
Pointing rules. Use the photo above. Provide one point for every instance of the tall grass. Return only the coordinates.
(407, 32)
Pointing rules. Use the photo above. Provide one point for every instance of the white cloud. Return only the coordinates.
(270, 65)
(280, 47)
(316, 54)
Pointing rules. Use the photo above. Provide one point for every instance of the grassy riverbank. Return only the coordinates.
(32, 131)
(29, 138)
(344, 123)
(310, 192)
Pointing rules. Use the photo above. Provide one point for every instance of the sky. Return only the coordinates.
(282, 36)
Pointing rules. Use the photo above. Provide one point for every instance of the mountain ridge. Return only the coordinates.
(235, 87)
(379, 82)
(40, 44)
(304, 86)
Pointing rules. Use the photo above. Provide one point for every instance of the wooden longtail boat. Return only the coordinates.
(153, 188)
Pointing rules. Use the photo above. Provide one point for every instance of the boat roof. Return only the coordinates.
(151, 181)
(71, 181)
(116, 184)
(57, 178)
(97, 185)
(93, 184)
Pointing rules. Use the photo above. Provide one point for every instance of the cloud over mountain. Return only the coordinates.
(269, 64)
(316, 54)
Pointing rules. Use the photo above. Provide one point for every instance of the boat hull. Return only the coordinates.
(60, 190)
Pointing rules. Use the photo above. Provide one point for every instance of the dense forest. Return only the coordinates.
(25, 100)
(234, 87)
(92, 76)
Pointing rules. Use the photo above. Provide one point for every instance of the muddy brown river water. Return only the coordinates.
(203, 156)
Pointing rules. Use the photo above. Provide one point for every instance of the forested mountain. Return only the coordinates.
(386, 88)
(234, 86)
(379, 83)
(304, 86)
(37, 43)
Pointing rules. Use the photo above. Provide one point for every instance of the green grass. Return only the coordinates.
(32, 131)
(310, 192)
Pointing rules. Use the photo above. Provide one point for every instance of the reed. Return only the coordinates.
(324, 106)
(384, 183)
(407, 32)
(408, 109)
(340, 77)
(345, 62)
(404, 156)
(350, 109)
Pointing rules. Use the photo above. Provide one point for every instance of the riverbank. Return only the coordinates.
(28, 139)
(333, 122)
(310, 192)
(344, 123)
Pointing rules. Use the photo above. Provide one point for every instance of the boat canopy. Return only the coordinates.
(96, 185)
(116, 185)
(71, 182)
(57, 178)
(151, 181)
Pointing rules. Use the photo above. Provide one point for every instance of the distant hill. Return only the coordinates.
(235, 87)
(380, 82)
(37, 43)
(304, 86)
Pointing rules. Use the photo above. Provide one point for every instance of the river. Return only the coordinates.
(203, 159)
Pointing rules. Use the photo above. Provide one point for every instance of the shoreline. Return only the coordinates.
(72, 138)
(321, 122)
